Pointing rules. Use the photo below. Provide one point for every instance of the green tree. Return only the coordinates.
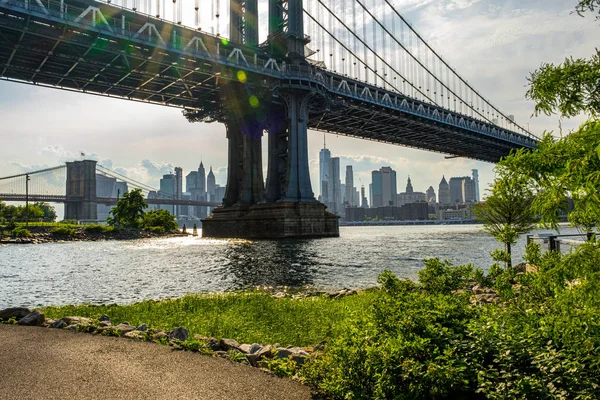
(48, 210)
(129, 210)
(159, 218)
(507, 212)
(567, 167)
(30, 213)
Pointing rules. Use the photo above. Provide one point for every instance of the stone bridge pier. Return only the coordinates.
(81, 191)
(285, 207)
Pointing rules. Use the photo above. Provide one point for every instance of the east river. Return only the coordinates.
(128, 271)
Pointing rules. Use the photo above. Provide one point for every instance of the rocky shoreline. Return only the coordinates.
(44, 234)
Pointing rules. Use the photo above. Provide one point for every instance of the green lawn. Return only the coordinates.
(248, 317)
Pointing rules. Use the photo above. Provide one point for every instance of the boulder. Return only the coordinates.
(124, 328)
(58, 324)
(250, 348)
(14, 312)
(159, 335)
(104, 324)
(76, 320)
(266, 351)
(104, 317)
(179, 333)
(213, 344)
(228, 344)
(34, 318)
(135, 335)
(296, 354)
(142, 328)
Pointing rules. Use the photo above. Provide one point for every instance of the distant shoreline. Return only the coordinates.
(416, 222)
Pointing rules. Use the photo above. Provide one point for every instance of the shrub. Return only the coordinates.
(21, 233)
(159, 230)
(97, 228)
(66, 231)
(69, 222)
(159, 218)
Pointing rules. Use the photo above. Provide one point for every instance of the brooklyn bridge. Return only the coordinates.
(350, 67)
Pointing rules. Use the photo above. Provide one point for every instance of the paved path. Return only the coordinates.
(41, 363)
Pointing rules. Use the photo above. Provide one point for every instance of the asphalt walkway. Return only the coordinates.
(41, 363)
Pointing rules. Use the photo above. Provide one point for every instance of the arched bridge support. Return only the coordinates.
(81, 191)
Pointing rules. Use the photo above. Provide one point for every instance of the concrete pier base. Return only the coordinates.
(272, 221)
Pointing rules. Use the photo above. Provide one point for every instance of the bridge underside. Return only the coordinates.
(97, 48)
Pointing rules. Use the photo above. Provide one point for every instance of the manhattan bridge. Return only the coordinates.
(350, 67)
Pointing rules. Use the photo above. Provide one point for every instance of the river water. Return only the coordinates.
(128, 271)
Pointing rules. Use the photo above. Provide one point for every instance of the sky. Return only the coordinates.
(495, 45)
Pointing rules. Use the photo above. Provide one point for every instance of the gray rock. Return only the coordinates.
(213, 344)
(221, 353)
(104, 317)
(14, 312)
(76, 320)
(319, 346)
(142, 328)
(179, 333)
(134, 335)
(266, 351)
(34, 318)
(296, 354)
(228, 344)
(104, 324)
(124, 328)
(250, 348)
(58, 324)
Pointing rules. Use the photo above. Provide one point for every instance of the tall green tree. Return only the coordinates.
(507, 212)
(129, 211)
(566, 167)
(48, 210)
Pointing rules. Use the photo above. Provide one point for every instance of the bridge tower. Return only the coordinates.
(287, 206)
(81, 191)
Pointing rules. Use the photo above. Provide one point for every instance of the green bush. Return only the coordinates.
(159, 230)
(159, 218)
(97, 228)
(21, 233)
(69, 222)
(421, 341)
(65, 231)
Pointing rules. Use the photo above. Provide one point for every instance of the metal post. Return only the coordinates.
(27, 178)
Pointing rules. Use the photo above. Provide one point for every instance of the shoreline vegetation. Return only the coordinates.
(61, 232)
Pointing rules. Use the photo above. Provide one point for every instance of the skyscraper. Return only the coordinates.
(468, 189)
(324, 157)
(350, 186)
(430, 194)
(444, 192)
(167, 191)
(178, 188)
(476, 184)
(334, 186)
(201, 183)
(456, 190)
(211, 185)
(384, 187)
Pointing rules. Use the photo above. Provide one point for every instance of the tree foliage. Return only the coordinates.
(48, 210)
(159, 218)
(507, 212)
(562, 168)
(568, 89)
(129, 210)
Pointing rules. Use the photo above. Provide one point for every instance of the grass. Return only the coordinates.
(248, 317)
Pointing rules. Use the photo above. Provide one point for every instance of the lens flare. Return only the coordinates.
(253, 101)
(241, 76)
(224, 41)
